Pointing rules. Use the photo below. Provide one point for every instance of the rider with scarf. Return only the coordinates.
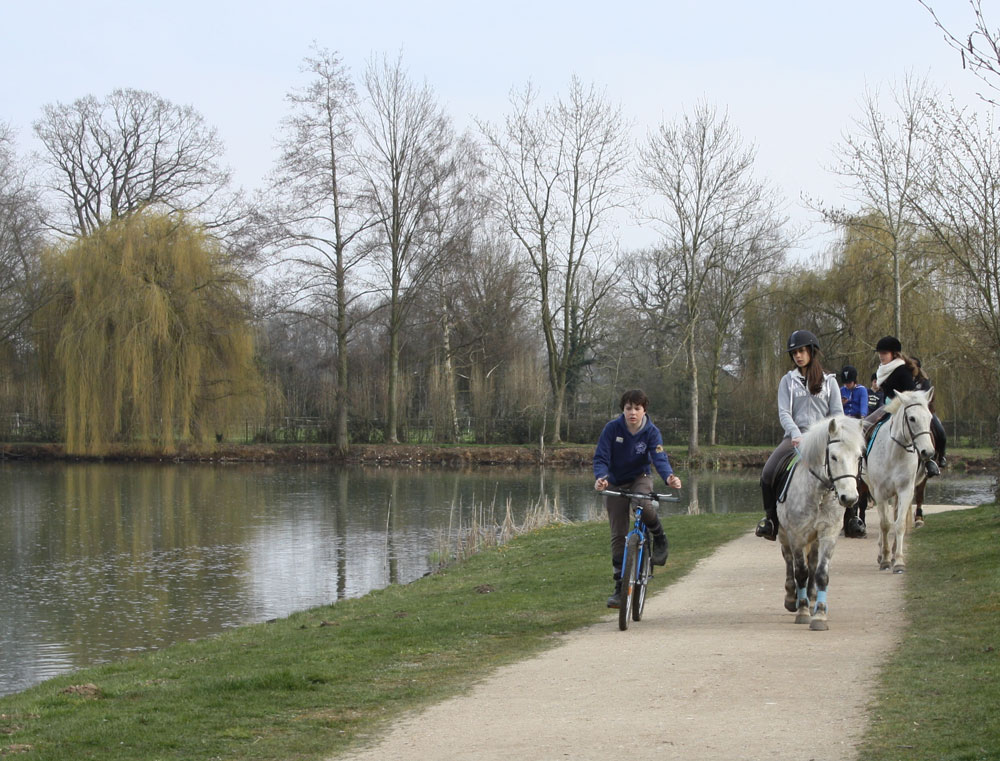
(896, 372)
(805, 394)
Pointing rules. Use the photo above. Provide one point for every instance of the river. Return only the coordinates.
(99, 561)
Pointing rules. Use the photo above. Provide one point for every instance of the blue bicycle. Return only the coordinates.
(637, 564)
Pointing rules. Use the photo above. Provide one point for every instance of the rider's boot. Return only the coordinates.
(616, 598)
(854, 526)
(932, 469)
(660, 550)
(768, 526)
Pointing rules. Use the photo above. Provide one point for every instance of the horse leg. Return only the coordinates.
(824, 553)
(812, 561)
(918, 497)
(801, 570)
(883, 536)
(904, 518)
(791, 604)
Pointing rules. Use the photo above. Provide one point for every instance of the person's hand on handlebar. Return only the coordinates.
(601, 484)
(674, 482)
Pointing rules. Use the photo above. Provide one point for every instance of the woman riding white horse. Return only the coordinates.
(893, 467)
(805, 395)
(823, 482)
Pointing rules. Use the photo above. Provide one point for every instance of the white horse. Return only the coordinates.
(824, 482)
(900, 447)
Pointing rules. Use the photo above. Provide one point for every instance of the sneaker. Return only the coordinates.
(767, 529)
(615, 600)
(660, 549)
(855, 528)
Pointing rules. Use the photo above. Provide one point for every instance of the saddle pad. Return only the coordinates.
(783, 474)
(874, 432)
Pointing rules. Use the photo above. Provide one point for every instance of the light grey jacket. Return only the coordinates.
(798, 409)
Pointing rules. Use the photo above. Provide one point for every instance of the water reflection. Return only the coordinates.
(100, 560)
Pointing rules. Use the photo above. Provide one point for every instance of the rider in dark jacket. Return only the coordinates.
(896, 373)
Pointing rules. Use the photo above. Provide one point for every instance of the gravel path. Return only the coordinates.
(716, 670)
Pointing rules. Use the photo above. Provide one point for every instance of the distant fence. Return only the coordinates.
(15, 427)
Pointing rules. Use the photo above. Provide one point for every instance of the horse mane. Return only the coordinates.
(903, 398)
(813, 444)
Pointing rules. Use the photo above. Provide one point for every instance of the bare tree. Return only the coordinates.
(958, 202)
(979, 49)
(880, 159)
(132, 149)
(407, 156)
(457, 215)
(320, 216)
(710, 210)
(557, 170)
(21, 239)
(753, 249)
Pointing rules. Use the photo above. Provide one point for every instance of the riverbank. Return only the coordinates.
(326, 681)
(456, 456)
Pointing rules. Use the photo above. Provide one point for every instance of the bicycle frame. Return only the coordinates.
(636, 566)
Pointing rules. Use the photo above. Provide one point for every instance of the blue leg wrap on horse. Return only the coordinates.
(820, 599)
(802, 592)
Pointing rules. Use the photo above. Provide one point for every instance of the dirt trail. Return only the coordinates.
(716, 670)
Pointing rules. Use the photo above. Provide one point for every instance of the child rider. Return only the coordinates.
(627, 447)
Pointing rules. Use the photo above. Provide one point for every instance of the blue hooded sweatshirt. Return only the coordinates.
(622, 457)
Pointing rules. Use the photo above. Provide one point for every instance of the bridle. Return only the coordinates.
(829, 481)
(912, 445)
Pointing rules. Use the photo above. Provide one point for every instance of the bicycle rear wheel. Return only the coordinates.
(644, 572)
(630, 573)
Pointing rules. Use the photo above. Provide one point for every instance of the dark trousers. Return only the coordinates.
(620, 520)
(767, 476)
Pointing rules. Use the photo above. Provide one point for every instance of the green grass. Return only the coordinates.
(317, 682)
(939, 694)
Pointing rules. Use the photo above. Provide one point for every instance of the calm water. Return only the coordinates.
(101, 560)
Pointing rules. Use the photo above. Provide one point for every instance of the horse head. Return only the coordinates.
(913, 430)
(834, 453)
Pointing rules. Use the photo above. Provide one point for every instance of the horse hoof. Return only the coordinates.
(804, 617)
(884, 566)
(791, 606)
(918, 523)
(819, 625)
(899, 569)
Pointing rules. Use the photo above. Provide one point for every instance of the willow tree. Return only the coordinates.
(148, 340)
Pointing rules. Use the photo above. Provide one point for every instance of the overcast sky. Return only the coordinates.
(790, 74)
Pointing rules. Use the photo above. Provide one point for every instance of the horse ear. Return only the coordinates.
(833, 426)
(930, 394)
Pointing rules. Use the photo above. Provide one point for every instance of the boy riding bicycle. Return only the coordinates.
(625, 450)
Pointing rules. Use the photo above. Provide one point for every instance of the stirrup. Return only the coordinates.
(767, 529)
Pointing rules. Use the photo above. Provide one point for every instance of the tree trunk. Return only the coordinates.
(558, 399)
(449, 376)
(713, 392)
(693, 380)
(391, 436)
(341, 438)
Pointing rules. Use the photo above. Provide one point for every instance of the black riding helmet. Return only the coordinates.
(889, 343)
(801, 338)
(849, 373)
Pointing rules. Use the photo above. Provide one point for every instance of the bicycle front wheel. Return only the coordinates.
(645, 571)
(630, 574)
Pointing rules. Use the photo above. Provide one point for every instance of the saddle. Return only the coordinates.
(783, 474)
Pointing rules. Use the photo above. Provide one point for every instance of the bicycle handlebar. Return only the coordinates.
(653, 496)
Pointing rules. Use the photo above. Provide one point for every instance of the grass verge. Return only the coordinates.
(939, 692)
(320, 681)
